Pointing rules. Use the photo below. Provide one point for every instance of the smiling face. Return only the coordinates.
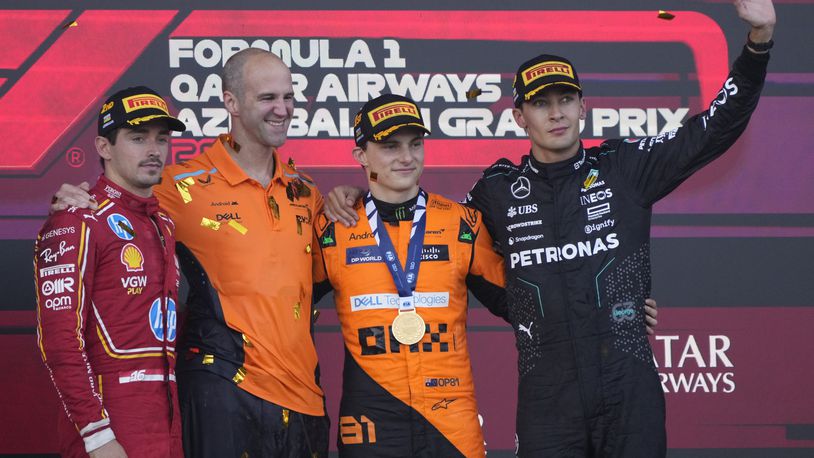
(263, 106)
(136, 159)
(398, 162)
(551, 119)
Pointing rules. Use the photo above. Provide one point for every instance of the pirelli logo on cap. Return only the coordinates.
(547, 69)
(140, 101)
(393, 109)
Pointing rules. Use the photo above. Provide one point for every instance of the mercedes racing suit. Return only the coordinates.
(575, 240)
(106, 287)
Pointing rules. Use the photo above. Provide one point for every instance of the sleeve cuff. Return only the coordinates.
(752, 65)
(98, 439)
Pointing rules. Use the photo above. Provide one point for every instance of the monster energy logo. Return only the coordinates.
(401, 213)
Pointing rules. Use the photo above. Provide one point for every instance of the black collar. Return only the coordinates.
(393, 213)
(555, 169)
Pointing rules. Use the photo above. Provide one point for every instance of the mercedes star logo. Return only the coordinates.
(521, 188)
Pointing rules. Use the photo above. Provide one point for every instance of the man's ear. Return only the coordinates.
(231, 103)
(360, 155)
(518, 118)
(583, 111)
(103, 147)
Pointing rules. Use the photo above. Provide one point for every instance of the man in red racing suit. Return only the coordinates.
(107, 281)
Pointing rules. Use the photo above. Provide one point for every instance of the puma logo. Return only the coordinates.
(527, 330)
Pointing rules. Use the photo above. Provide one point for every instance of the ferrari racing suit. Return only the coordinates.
(107, 281)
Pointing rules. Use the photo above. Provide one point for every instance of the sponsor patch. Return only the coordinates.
(49, 255)
(362, 236)
(521, 210)
(535, 222)
(444, 404)
(597, 211)
(521, 188)
(431, 253)
(441, 382)
(57, 286)
(393, 109)
(590, 179)
(132, 258)
(391, 301)
(465, 233)
(595, 184)
(623, 311)
(328, 237)
(552, 254)
(595, 197)
(440, 205)
(544, 69)
(156, 318)
(117, 224)
(142, 101)
(112, 192)
(526, 238)
(58, 231)
(599, 226)
(135, 284)
(362, 255)
(57, 270)
(58, 303)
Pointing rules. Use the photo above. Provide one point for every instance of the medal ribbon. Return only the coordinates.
(404, 278)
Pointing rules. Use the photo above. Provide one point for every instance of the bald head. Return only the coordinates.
(234, 71)
(259, 95)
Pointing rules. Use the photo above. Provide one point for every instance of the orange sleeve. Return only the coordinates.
(485, 261)
(487, 279)
(168, 197)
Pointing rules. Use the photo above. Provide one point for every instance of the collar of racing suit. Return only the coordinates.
(106, 189)
(393, 213)
(556, 169)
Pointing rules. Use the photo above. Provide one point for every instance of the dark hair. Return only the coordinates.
(111, 137)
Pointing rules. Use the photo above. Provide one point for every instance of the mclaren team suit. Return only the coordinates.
(416, 400)
(575, 240)
(247, 370)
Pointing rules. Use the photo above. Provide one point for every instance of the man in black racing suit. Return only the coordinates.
(573, 225)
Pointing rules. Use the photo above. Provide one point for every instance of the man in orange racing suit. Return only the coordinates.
(401, 397)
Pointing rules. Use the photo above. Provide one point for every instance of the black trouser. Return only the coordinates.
(221, 420)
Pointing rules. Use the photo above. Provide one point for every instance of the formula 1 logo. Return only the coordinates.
(41, 51)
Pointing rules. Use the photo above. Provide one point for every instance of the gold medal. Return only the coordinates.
(408, 327)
